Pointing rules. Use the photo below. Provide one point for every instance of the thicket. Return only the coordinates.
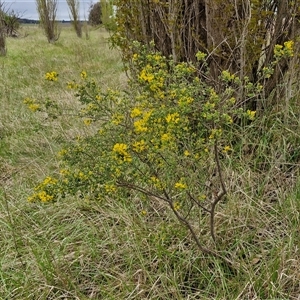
(200, 75)
(95, 14)
(9, 24)
(238, 36)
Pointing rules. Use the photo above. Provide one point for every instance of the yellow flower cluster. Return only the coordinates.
(184, 101)
(40, 196)
(139, 146)
(135, 56)
(135, 112)
(180, 185)
(43, 190)
(156, 183)
(110, 188)
(226, 149)
(32, 105)
(121, 151)
(83, 75)
(176, 205)
(215, 133)
(51, 76)
(251, 114)
(72, 85)
(173, 118)
(166, 137)
(289, 48)
(141, 124)
(81, 175)
(146, 74)
(285, 50)
(87, 122)
(62, 152)
(117, 119)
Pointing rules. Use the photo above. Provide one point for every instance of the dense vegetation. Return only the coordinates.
(95, 14)
(169, 184)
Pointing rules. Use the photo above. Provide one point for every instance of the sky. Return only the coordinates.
(27, 9)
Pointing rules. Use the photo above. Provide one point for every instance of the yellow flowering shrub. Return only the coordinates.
(162, 137)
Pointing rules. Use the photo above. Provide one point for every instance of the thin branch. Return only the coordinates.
(220, 194)
(197, 202)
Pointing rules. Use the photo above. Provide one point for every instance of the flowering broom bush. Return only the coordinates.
(164, 138)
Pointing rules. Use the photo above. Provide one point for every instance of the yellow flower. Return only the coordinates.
(110, 188)
(176, 205)
(215, 133)
(289, 48)
(139, 126)
(173, 118)
(44, 197)
(156, 182)
(34, 107)
(120, 148)
(166, 137)
(186, 153)
(64, 172)
(135, 112)
(49, 180)
(83, 74)
(226, 149)
(51, 76)
(62, 152)
(87, 122)
(146, 74)
(139, 146)
(121, 151)
(117, 119)
(251, 114)
(72, 85)
(180, 185)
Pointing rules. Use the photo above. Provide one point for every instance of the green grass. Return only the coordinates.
(107, 250)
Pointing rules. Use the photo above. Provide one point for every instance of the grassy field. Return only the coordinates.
(108, 250)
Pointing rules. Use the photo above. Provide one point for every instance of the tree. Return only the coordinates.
(47, 10)
(2, 31)
(95, 14)
(74, 10)
(239, 36)
(11, 20)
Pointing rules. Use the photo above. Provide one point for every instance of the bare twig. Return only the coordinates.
(220, 194)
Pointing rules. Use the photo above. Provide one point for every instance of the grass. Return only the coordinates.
(108, 250)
